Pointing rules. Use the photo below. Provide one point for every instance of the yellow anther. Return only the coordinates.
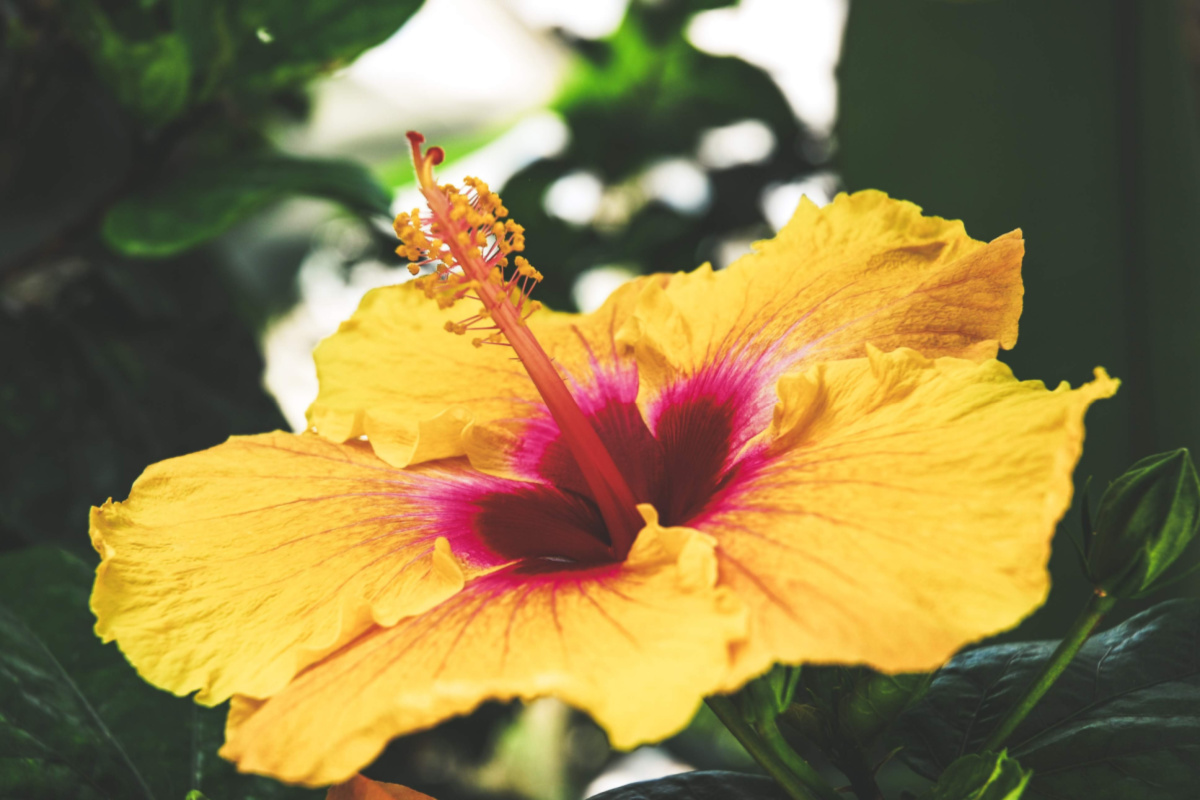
(467, 242)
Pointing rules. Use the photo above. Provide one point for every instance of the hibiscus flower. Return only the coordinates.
(811, 456)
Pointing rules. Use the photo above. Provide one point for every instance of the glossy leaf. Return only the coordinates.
(77, 721)
(286, 42)
(699, 786)
(183, 210)
(1146, 520)
(1122, 721)
(993, 776)
(53, 742)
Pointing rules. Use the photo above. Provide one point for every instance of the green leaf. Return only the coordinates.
(77, 721)
(652, 93)
(284, 43)
(126, 365)
(993, 776)
(186, 209)
(48, 728)
(875, 703)
(1146, 520)
(59, 161)
(203, 27)
(699, 786)
(1122, 721)
(150, 77)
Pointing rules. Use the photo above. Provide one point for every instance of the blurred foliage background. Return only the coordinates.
(156, 264)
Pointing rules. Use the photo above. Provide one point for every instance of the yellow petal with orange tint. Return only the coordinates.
(231, 569)
(361, 787)
(865, 269)
(393, 374)
(904, 507)
(636, 645)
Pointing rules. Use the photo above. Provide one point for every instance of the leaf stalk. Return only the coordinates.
(766, 745)
(1097, 606)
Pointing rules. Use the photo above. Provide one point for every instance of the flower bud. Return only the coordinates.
(876, 702)
(768, 695)
(1147, 517)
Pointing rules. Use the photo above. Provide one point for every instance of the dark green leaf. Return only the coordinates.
(1147, 518)
(48, 728)
(699, 786)
(1123, 720)
(77, 721)
(127, 365)
(150, 77)
(993, 776)
(651, 93)
(287, 42)
(61, 156)
(186, 209)
(875, 703)
(203, 26)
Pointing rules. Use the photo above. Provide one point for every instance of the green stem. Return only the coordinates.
(1081, 628)
(862, 777)
(768, 748)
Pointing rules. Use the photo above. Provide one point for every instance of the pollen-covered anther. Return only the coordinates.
(495, 338)
(465, 239)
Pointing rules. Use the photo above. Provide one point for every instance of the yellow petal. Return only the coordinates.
(393, 374)
(897, 509)
(636, 645)
(231, 569)
(361, 787)
(865, 269)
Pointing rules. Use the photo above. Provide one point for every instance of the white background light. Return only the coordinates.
(797, 41)
(575, 197)
(779, 201)
(678, 182)
(593, 286)
(747, 142)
